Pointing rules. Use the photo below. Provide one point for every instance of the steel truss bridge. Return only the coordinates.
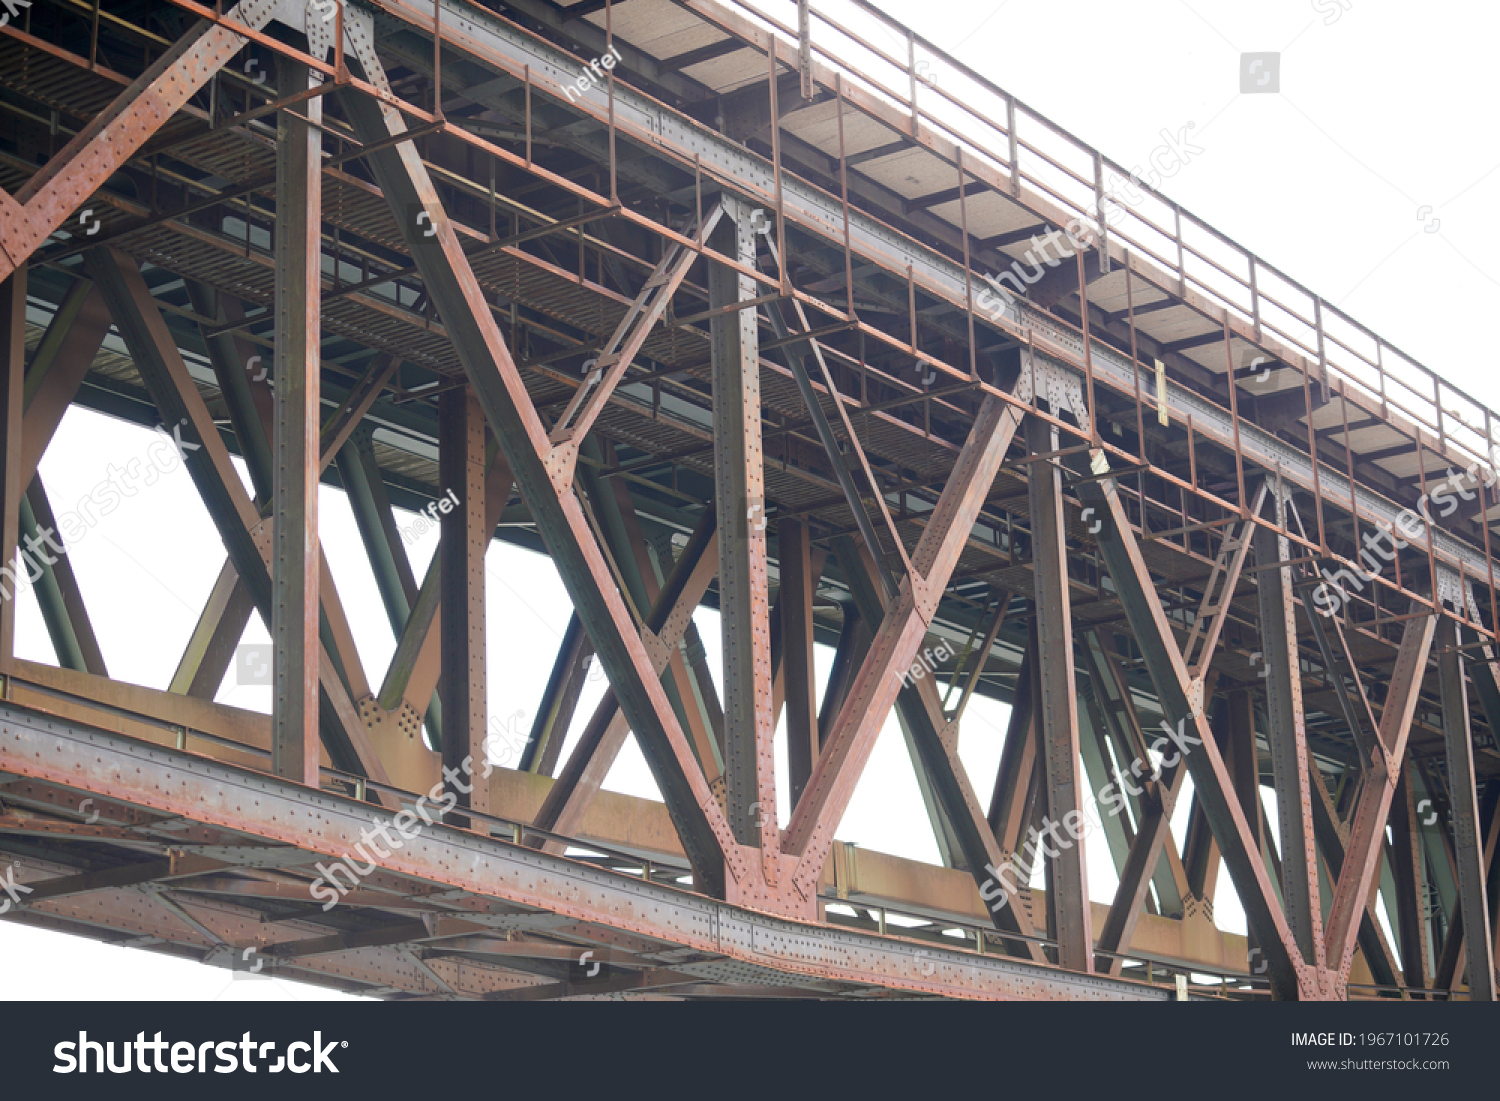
(692, 296)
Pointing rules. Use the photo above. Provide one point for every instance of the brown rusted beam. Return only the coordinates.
(744, 598)
(12, 407)
(795, 599)
(1211, 781)
(295, 643)
(1377, 789)
(1287, 734)
(809, 833)
(1411, 884)
(600, 742)
(554, 714)
(207, 460)
(114, 135)
(1332, 836)
(1458, 742)
(465, 536)
(211, 646)
(543, 475)
(57, 369)
(1057, 706)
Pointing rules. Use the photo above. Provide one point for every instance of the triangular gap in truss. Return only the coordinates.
(139, 556)
(889, 780)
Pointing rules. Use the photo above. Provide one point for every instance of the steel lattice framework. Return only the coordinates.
(732, 303)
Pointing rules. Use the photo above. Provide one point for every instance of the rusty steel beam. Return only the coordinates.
(210, 648)
(853, 644)
(543, 475)
(1458, 742)
(795, 599)
(777, 315)
(953, 807)
(412, 677)
(276, 812)
(1290, 977)
(1406, 864)
(251, 406)
(1242, 758)
(58, 367)
(207, 461)
(981, 657)
(619, 351)
(652, 979)
(1018, 759)
(623, 536)
(295, 641)
(1377, 789)
(563, 809)
(114, 135)
(1218, 593)
(1332, 837)
(1287, 734)
(1152, 836)
(1200, 856)
(1122, 723)
(554, 714)
(12, 420)
(1451, 965)
(1343, 671)
(1057, 703)
(809, 833)
(377, 529)
(76, 614)
(465, 536)
(744, 598)
(919, 712)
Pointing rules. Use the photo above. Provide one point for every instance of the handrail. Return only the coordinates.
(1430, 411)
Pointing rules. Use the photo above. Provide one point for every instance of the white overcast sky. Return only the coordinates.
(1385, 108)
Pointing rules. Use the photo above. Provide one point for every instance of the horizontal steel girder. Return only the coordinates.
(277, 812)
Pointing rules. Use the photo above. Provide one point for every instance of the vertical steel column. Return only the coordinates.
(461, 471)
(1459, 743)
(1287, 735)
(1242, 760)
(554, 715)
(1236, 719)
(796, 602)
(744, 600)
(1058, 701)
(13, 351)
(12, 347)
(73, 608)
(294, 567)
(1408, 875)
(854, 643)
